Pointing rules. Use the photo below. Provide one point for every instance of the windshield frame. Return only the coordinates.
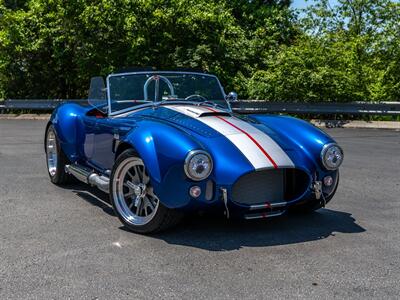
(156, 103)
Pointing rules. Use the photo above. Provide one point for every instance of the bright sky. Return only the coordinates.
(304, 4)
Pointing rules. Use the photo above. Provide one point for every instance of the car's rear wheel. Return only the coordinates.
(133, 197)
(55, 158)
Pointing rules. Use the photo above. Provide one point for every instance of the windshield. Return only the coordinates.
(132, 89)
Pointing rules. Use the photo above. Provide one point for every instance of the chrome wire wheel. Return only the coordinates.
(132, 192)
(51, 152)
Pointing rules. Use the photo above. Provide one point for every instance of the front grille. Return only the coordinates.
(272, 186)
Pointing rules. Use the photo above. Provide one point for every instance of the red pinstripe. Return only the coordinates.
(249, 136)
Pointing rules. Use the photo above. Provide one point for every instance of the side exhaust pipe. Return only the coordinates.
(87, 176)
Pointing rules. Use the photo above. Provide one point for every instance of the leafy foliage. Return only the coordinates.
(344, 53)
(262, 49)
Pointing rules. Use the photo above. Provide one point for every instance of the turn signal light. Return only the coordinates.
(195, 191)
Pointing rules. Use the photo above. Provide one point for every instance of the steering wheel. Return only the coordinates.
(157, 79)
(204, 99)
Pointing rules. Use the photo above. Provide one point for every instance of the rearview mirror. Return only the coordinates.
(232, 97)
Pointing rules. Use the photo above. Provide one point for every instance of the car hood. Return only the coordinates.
(215, 128)
(187, 117)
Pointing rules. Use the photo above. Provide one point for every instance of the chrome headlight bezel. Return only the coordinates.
(325, 150)
(193, 154)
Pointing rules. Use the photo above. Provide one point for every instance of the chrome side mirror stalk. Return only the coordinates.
(232, 97)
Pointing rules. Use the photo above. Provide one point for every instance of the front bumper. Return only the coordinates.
(174, 193)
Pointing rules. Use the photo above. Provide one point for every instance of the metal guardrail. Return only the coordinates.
(37, 104)
(242, 106)
(327, 108)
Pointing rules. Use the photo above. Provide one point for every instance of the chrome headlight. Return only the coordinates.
(198, 165)
(331, 156)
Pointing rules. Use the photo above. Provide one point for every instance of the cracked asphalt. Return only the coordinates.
(65, 242)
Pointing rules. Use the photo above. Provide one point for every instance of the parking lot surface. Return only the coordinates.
(65, 242)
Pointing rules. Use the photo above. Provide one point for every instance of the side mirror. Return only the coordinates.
(232, 97)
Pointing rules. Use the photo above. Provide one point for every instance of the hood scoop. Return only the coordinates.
(217, 113)
(204, 112)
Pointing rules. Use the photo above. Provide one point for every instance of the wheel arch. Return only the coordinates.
(123, 146)
(159, 146)
(69, 130)
(45, 133)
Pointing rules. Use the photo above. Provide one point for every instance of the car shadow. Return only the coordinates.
(215, 233)
(92, 195)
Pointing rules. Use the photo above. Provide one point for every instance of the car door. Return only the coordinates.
(98, 142)
(103, 155)
(89, 125)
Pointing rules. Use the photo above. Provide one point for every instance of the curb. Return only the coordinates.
(25, 117)
(357, 124)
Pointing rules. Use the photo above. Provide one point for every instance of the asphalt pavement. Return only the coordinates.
(66, 243)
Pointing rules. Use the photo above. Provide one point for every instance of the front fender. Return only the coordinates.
(65, 121)
(306, 139)
(160, 146)
(163, 150)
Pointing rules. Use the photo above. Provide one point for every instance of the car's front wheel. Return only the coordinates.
(133, 197)
(55, 158)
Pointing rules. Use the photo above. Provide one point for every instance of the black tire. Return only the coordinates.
(312, 205)
(58, 175)
(163, 217)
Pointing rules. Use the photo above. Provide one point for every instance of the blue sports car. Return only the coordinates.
(165, 143)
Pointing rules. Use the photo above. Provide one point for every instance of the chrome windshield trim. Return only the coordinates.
(155, 103)
(159, 72)
(158, 104)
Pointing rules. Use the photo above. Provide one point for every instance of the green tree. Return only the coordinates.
(348, 52)
(51, 48)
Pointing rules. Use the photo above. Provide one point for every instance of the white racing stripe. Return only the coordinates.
(266, 142)
(256, 146)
